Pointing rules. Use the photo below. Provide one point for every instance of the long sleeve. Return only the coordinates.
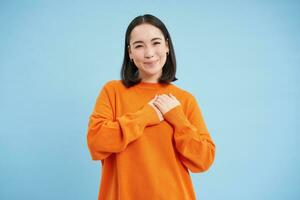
(192, 140)
(109, 134)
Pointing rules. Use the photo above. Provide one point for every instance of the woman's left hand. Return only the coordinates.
(166, 102)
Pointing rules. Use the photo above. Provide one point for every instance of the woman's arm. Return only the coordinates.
(106, 135)
(192, 139)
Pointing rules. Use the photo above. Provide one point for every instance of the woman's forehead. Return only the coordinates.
(145, 32)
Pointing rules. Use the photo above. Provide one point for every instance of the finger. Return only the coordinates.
(174, 98)
(171, 95)
(164, 100)
(168, 98)
(159, 101)
(164, 97)
(157, 104)
(154, 98)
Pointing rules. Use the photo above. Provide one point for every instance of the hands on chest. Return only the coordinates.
(163, 103)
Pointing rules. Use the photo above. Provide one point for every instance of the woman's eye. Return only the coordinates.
(138, 46)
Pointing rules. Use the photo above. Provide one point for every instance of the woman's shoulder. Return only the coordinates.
(113, 84)
(182, 92)
(185, 96)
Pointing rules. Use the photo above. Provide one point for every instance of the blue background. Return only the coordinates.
(239, 58)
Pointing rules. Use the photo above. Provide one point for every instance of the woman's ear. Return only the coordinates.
(167, 45)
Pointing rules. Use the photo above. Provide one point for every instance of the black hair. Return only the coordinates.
(129, 72)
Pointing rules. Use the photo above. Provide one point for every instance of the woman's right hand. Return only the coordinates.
(160, 116)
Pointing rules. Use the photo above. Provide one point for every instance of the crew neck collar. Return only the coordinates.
(151, 85)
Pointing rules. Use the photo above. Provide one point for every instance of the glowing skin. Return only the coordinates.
(148, 50)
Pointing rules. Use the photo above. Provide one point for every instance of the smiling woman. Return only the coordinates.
(148, 133)
(148, 50)
(148, 54)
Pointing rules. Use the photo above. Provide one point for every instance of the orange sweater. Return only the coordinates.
(143, 158)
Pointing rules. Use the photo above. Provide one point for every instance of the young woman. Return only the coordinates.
(147, 132)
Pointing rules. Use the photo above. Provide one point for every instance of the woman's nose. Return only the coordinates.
(149, 52)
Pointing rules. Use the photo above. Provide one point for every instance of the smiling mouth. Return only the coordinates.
(150, 63)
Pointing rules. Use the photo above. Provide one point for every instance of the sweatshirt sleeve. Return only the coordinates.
(108, 134)
(192, 139)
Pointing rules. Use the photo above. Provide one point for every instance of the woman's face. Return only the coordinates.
(148, 49)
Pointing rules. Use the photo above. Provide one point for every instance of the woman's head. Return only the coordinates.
(148, 53)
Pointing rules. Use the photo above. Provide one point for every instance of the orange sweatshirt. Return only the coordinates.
(143, 158)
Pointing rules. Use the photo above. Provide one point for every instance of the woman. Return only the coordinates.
(147, 132)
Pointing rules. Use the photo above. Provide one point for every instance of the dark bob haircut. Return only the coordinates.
(129, 72)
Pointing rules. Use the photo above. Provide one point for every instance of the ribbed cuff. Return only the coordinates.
(177, 118)
(150, 116)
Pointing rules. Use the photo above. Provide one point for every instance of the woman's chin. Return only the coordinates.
(154, 70)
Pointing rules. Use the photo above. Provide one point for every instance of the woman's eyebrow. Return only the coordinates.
(135, 42)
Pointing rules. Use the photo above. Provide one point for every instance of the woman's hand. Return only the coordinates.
(160, 116)
(166, 102)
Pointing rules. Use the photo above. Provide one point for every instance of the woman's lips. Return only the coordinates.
(150, 63)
